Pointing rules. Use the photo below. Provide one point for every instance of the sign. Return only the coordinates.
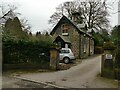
(108, 56)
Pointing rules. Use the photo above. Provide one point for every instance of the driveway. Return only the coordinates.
(84, 75)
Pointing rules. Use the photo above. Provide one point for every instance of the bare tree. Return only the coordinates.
(9, 11)
(67, 8)
(95, 13)
(25, 25)
(57, 15)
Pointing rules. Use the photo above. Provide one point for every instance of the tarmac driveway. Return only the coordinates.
(84, 75)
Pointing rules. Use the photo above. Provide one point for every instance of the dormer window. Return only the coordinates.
(65, 28)
(65, 31)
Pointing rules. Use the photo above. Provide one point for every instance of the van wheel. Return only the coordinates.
(66, 60)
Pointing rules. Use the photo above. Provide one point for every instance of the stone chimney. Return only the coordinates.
(78, 20)
(75, 17)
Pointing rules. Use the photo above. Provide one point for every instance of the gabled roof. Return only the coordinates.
(64, 19)
(64, 38)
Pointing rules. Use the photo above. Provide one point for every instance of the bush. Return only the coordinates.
(109, 45)
(117, 73)
(99, 50)
(117, 58)
(22, 51)
(108, 73)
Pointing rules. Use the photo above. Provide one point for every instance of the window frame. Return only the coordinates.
(65, 28)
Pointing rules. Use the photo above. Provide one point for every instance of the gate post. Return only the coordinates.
(107, 62)
(54, 58)
(102, 64)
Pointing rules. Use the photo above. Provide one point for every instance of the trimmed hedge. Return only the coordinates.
(21, 51)
(99, 50)
(25, 66)
(117, 73)
(108, 73)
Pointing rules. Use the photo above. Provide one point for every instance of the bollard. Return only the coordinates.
(102, 64)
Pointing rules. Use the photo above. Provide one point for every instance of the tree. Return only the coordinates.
(115, 34)
(9, 12)
(38, 34)
(105, 35)
(30, 33)
(25, 25)
(98, 39)
(14, 30)
(67, 8)
(94, 13)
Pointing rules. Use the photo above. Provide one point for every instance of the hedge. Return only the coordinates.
(21, 51)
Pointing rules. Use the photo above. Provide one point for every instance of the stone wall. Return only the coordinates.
(75, 42)
(84, 46)
(81, 44)
(87, 46)
(73, 35)
(91, 46)
(57, 32)
(24, 66)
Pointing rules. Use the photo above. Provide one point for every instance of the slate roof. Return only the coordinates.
(2, 20)
(64, 19)
(65, 38)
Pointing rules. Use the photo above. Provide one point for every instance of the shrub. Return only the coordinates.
(117, 58)
(22, 51)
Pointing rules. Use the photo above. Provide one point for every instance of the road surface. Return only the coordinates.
(84, 75)
(11, 82)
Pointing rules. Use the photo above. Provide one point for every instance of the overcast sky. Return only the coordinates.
(38, 12)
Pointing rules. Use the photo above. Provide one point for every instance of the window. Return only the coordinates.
(64, 51)
(59, 44)
(65, 28)
(84, 48)
(64, 31)
(84, 44)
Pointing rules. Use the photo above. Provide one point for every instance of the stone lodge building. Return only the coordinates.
(67, 34)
